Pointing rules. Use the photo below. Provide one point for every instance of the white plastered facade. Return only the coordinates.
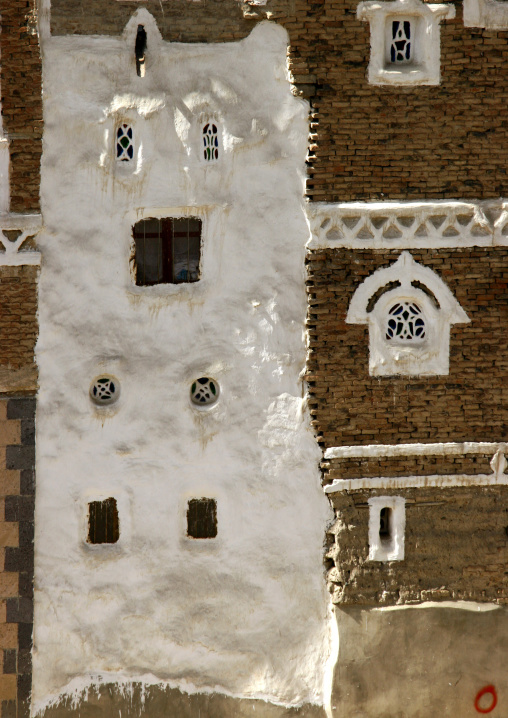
(246, 613)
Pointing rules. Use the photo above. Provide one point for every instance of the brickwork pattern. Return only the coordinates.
(17, 494)
(366, 142)
(350, 407)
(21, 87)
(18, 315)
(456, 548)
(353, 468)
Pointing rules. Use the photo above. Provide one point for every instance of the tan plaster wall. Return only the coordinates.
(420, 663)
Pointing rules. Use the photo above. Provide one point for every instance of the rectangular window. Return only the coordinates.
(103, 521)
(202, 518)
(168, 250)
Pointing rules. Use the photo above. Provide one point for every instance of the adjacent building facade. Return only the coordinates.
(266, 349)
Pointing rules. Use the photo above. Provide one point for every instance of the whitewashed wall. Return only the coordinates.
(247, 613)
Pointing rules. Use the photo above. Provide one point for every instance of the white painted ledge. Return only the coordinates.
(417, 482)
(490, 14)
(498, 465)
(12, 254)
(406, 225)
(391, 450)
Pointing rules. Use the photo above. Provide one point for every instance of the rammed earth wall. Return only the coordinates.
(447, 141)
(456, 548)
(20, 82)
(351, 407)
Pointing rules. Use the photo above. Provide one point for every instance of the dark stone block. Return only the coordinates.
(19, 508)
(19, 457)
(26, 533)
(27, 481)
(24, 687)
(26, 585)
(10, 660)
(19, 559)
(8, 709)
(28, 432)
(25, 635)
(25, 661)
(24, 708)
(19, 610)
(21, 408)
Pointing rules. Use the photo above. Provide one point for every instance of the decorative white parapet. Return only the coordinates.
(406, 225)
(498, 465)
(12, 253)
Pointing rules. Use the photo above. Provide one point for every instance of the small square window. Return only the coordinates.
(168, 250)
(202, 518)
(103, 525)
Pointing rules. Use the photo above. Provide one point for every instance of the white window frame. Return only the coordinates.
(425, 68)
(391, 549)
(427, 357)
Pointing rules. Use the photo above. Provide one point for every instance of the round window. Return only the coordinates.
(104, 390)
(405, 322)
(204, 391)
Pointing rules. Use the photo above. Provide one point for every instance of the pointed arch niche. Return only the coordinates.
(409, 311)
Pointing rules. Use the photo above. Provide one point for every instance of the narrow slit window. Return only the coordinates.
(167, 251)
(140, 50)
(103, 525)
(202, 518)
(124, 143)
(210, 142)
(401, 49)
(385, 524)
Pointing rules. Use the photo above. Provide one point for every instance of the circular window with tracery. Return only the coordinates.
(405, 322)
(204, 391)
(104, 390)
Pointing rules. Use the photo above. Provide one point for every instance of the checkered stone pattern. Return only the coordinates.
(17, 494)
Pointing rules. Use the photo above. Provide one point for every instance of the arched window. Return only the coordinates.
(210, 142)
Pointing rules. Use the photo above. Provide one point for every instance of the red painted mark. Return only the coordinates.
(479, 696)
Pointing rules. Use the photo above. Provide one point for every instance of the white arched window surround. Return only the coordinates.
(407, 282)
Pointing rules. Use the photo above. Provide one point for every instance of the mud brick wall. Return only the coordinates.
(366, 142)
(17, 490)
(20, 85)
(350, 407)
(456, 548)
(18, 328)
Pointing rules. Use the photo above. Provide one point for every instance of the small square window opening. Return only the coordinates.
(103, 525)
(167, 250)
(202, 518)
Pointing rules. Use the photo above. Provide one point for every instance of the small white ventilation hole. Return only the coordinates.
(204, 391)
(104, 390)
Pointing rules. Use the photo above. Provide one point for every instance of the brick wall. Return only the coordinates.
(456, 548)
(20, 84)
(18, 328)
(17, 489)
(350, 407)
